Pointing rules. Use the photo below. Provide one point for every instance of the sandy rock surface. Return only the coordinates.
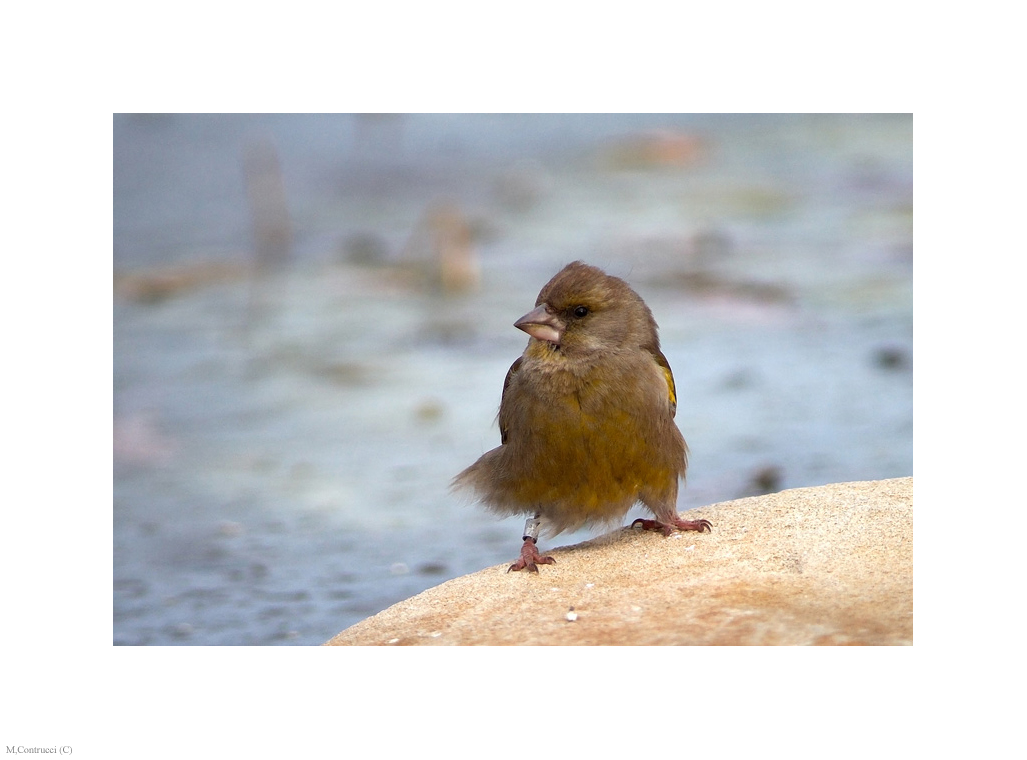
(826, 565)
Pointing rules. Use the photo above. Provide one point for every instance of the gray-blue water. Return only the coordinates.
(283, 444)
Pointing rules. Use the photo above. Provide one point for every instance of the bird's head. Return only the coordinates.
(583, 310)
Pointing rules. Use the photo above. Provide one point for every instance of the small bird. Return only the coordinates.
(586, 420)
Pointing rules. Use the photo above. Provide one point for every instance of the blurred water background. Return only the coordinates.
(313, 319)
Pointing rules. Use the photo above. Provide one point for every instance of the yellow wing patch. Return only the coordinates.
(672, 394)
(671, 391)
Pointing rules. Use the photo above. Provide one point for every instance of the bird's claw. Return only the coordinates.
(702, 526)
(530, 558)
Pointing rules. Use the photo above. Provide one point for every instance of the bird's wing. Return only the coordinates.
(503, 407)
(672, 394)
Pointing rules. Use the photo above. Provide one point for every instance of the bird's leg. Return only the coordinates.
(675, 523)
(530, 558)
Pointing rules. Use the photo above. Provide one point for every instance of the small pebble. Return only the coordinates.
(571, 615)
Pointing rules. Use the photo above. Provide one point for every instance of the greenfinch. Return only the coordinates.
(586, 420)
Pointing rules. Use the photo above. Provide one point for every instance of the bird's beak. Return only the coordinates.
(542, 324)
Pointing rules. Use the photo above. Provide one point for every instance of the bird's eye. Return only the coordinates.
(581, 311)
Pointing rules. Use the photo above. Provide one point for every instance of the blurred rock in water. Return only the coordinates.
(442, 248)
(154, 286)
(365, 249)
(661, 148)
(272, 230)
(891, 358)
(765, 480)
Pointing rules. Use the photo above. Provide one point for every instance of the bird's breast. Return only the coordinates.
(614, 421)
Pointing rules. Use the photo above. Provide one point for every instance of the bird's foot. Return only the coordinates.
(676, 524)
(530, 558)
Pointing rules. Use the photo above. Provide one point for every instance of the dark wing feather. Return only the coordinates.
(502, 404)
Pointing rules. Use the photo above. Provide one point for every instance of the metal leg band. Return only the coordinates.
(531, 526)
